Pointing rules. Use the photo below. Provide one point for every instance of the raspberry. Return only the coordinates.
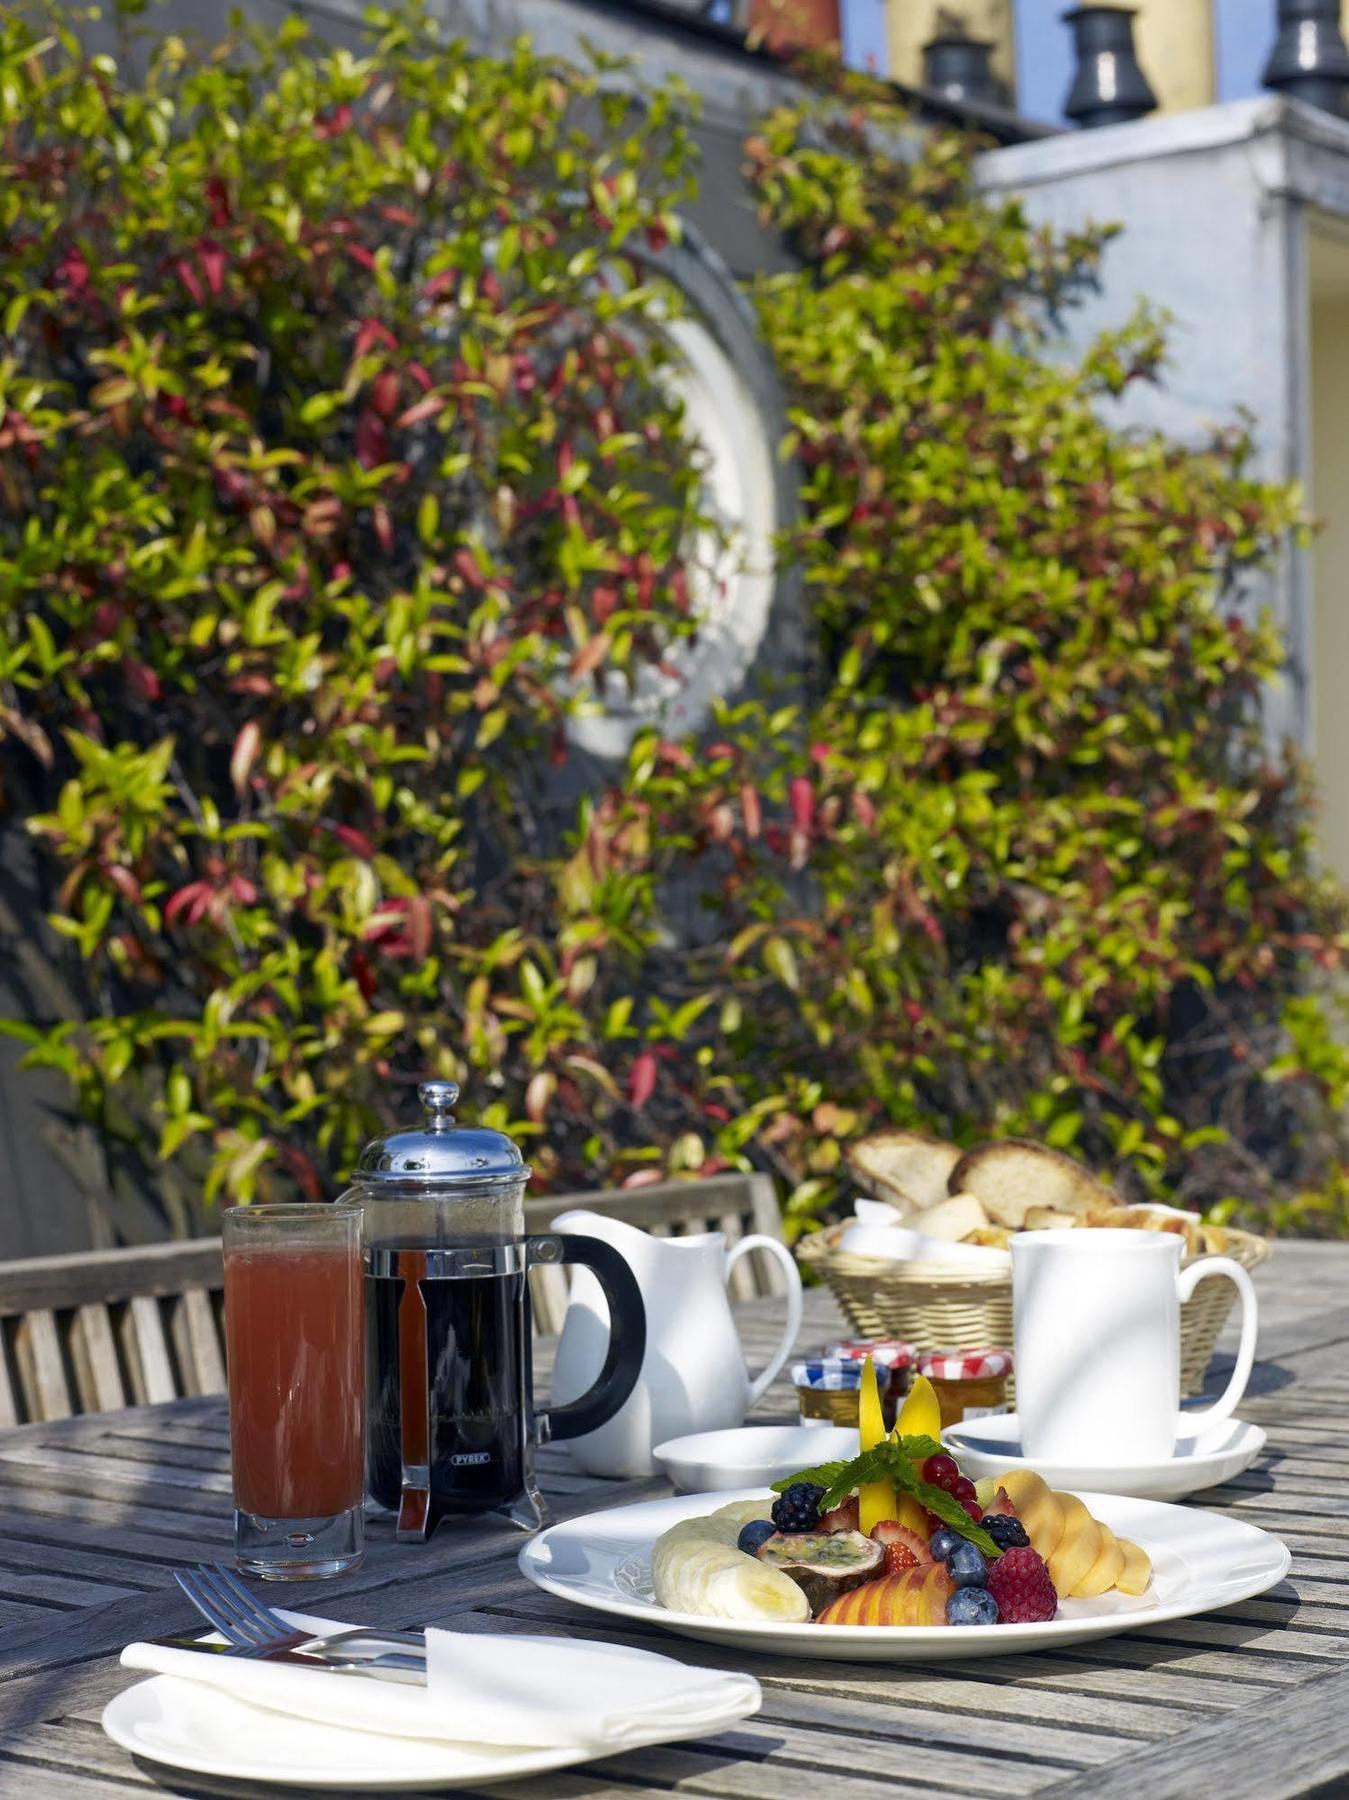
(1019, 1582)
(842, 1518)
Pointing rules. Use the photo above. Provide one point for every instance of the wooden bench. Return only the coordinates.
(114, 1328)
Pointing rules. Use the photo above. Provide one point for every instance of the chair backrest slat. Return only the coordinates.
(42, 1373)
(93, 1351)
(129, 1327)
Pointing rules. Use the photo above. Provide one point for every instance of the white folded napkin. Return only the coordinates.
(485, 1688)
(897, 1243)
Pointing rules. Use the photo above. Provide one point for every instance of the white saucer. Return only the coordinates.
(713, 1462)
(992, 1445)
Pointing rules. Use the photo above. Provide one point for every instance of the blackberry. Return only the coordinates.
(757, 1532)
(797, 1508)
(1006, 1532)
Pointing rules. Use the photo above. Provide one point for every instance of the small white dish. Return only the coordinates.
(1200, 1561)
(993, 1445)
(712, 1462)
(187, 1725)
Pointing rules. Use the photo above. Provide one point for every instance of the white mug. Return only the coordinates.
(1097, 1344)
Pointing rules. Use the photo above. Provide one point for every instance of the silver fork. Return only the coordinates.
(257, 1631)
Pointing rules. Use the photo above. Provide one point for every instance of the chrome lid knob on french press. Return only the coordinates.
(452, 1425)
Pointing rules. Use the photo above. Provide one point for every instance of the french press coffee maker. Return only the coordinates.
(451, 1422)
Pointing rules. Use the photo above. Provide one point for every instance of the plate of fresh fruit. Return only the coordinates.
(896, 1555)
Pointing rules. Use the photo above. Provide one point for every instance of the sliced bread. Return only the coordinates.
(1012, 1175)
(903, 1167)
(953, 1218)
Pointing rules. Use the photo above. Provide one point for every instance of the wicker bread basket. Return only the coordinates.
(944, 1308)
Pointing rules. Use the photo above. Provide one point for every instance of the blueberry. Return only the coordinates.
(971, 1606)
(757, 1532)
(967, 1566)
(943, 1542)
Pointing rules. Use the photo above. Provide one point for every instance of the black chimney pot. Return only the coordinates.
(1309, 60)
(960, 68)
(1109, 87)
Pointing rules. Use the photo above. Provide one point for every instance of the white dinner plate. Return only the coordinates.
(187, 1725)
(993, 1445)
(1200, 1561)
(751, 1456)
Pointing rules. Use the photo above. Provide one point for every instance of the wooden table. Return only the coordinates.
(1252, 1701)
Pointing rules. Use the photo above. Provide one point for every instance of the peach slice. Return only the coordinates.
(1039, 1509)
(912, 1597)
(1105, 1571)
(1077, 1549)
(1136, 1573)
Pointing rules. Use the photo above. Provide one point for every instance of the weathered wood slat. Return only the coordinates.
(68, 1281)
(42, 1374)
(94, 1354)
(147, 1351)
(196, 1342)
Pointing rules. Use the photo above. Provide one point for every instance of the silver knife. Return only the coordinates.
(406, 1666)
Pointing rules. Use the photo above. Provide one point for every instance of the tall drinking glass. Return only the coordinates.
(294, 1340)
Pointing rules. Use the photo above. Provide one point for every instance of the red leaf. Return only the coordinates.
(372, 332)
(190, 895)
(142, 680)
(642, 1079)
(245, 754)
(211, 260)
(384, 393)
(188, 276)
(589, 657)
(750, 810)
(383, 528)
(419, 926)
(422, 409)
(355, 841)
(801, 799)
(372, 439)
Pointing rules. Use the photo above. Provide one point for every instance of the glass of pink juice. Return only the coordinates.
(294, 1342)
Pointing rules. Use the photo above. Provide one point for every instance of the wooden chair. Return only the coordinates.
(113, 1328)
(116, 1328)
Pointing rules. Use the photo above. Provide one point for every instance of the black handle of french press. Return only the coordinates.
(627, 1332)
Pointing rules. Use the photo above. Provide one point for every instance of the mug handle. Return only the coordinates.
(627, 1334)
(1193, 1423)
(792, 1330)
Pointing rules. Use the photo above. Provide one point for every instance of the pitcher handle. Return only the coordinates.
(759, 1383)
(1194, 1423)
(627, 1334)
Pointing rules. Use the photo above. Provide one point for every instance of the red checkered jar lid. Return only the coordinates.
(965, 1365)
(886, 1353)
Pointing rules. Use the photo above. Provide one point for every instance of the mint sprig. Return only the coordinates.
(898, 1463)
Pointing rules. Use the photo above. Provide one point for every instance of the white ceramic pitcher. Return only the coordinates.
(693, 1377)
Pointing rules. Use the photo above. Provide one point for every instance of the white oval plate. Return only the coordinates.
(993, 1445)
(751, 1455)
(187, 1725)
(1200, 1561)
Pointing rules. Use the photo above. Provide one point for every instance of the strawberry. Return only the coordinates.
(1000, 1504)
(843, 1517)
(904, 1549)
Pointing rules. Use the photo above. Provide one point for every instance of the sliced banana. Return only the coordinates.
(696, 1568)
